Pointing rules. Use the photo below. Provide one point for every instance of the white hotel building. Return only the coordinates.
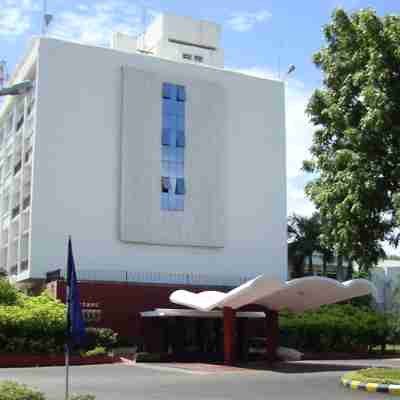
(150, 154)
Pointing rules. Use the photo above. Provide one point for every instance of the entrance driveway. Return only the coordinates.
(170, 382)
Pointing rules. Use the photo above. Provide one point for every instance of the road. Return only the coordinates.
(163, 382)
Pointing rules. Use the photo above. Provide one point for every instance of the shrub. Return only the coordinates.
(37, 325)
(15, 391)
(8, 293)
(83, 397)
(34, 325)
(148, 357)
(101, 337)
(97, 351)
(340, 327)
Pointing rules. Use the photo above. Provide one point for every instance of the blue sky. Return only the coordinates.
(258, 37)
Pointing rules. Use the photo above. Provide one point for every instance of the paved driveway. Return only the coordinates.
(164, 382)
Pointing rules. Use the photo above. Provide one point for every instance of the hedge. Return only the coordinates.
(38, 325)
(10, 390)
(335, 328)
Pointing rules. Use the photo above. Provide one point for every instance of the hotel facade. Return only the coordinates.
(159, 163)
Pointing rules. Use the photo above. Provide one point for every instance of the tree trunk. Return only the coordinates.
(324, 266)
(339, 268)
(298, 268)
(310, 264)
(349, 274)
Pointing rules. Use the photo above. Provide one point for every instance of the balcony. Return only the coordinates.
(15, 211)
(30, 107)
(20, 122)
(24, 265)
(17, 167)
(26, 202)
(28, 155)
(25, 221)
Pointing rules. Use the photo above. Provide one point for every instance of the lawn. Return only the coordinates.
(388, 376)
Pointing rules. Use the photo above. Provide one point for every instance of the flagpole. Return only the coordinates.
(75, 322)
(67, 347)
(66, 372)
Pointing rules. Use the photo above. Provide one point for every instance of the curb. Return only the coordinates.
(371, 387)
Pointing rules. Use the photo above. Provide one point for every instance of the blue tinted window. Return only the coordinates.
(164, 201)
(179, 155)
(179, 108)
(167, 91)
(180, 122)
(181, 94)
(180, 186)
(165, 168)
(166, 137)
(179, 202)
(180, 138)
(165, 184)
(179, 170)
(172, 147)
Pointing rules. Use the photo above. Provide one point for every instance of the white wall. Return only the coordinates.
(202, 222)
(76, 184)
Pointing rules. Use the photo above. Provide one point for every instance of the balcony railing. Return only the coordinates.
(17, 167)
(15, 211)
(28, 155)
(148, 277)
(19, 124)
(26, 202)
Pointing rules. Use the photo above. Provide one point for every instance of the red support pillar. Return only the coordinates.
(272, 325)
(229, 336)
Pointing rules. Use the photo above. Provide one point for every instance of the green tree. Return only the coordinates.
(303, 241)
(356, 146)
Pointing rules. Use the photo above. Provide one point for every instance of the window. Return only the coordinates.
(180, 94)
(180, 186)
(166, 136)
(198, 58)
(180, 138)
(186, 56)
(172, 147)
(165, 184)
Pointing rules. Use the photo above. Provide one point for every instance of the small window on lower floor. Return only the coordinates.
(165, 184)
(186, 56)
(198, 58)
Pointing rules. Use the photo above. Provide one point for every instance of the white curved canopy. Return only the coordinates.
(296, 295)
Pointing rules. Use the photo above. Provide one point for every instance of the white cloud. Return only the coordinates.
(94, 23)
(243, 21)
(15, 17)
(299, 133)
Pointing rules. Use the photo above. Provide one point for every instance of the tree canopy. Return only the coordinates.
(355, 155)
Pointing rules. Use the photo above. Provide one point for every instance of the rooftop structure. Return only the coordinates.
(176, 38)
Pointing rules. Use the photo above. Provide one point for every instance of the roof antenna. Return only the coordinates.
(46, 18)
(144, 12)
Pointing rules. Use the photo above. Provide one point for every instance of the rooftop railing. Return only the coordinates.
(146, 277)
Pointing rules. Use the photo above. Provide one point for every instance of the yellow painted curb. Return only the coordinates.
(371, 387)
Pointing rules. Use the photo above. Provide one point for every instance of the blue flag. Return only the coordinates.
(75, 324)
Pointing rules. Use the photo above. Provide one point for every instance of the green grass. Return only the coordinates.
(388, 376)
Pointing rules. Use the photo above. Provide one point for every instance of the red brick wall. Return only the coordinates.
(121, 303)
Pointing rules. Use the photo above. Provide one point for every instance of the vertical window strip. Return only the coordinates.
(172, 147)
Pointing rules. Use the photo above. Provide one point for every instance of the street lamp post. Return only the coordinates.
(17, 89)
